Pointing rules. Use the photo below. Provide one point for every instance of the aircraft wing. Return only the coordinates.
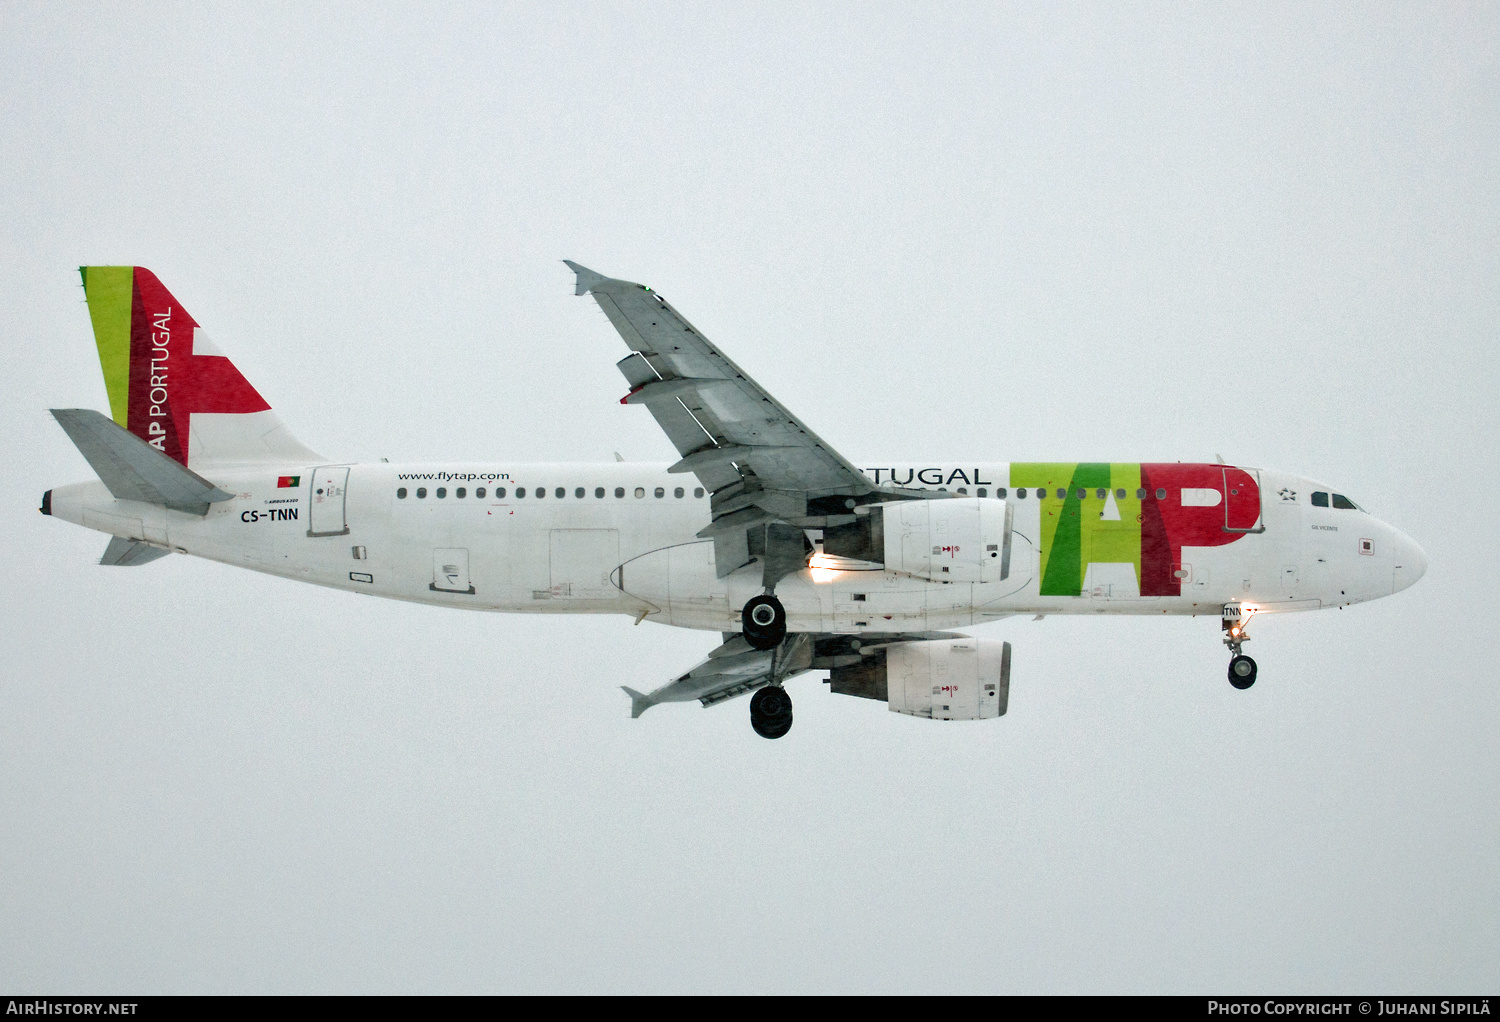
(731, 670)
(736, 668)
(761, 463)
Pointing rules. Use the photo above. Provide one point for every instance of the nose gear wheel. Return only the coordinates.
(1242, 669)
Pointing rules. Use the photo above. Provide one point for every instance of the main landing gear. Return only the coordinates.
(771, 712)
(1242, 669)
(764, 620)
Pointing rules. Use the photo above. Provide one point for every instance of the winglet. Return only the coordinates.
(587, 278)
(639, 704)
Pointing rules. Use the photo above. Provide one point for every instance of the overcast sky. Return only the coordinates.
(939, 232)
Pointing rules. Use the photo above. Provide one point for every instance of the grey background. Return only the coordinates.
(941, 232)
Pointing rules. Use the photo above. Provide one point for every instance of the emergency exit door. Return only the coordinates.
(450, 571)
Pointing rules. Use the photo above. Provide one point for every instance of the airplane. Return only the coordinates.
(761, 531)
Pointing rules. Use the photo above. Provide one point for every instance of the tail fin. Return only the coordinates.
(169, 385)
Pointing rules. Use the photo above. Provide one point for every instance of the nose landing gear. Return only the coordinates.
(1242, 669)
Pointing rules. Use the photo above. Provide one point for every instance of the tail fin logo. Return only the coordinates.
(159, 368)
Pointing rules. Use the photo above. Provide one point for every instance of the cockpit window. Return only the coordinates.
(1320, 499)
(1344, 503)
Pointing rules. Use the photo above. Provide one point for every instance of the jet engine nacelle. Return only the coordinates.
(949, 679)
(945, 679)
(966, 539)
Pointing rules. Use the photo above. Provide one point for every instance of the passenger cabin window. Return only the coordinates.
(1161, 494)
(661, 491)
(1320, 499)
(619, 492)
(697, 491)
(401, 493)
(460, 493)
(560, 493)
(421, 492)
(964, 490)
(640, 491)
(1101, 493)
(520, 491)
(1119, 494)
(1000, 493)
(982, 492)
(1021, 493)
(1140, 494)
(578, 492)
(679, 492)
(1062, 494)
(598, 493)
(1344, 503)
(499, 493)
(442, 491)
(541, 491)
(479, 493)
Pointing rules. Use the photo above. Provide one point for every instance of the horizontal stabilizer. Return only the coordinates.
(134, 470)
(128, 553)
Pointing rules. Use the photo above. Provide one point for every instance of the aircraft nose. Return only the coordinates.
(1411, 563)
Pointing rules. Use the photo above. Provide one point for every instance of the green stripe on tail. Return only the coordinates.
(109, 290)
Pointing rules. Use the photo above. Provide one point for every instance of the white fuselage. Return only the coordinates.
(633, 550)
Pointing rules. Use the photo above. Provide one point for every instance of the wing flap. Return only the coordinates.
(685, 432)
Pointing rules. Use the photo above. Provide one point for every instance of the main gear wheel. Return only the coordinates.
(764, 622)
(771, 712)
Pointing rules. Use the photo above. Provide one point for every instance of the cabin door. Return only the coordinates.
(326, 517)
(1242, 500)
(581, 561)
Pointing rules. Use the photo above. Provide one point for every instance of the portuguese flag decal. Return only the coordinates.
(282, 482)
